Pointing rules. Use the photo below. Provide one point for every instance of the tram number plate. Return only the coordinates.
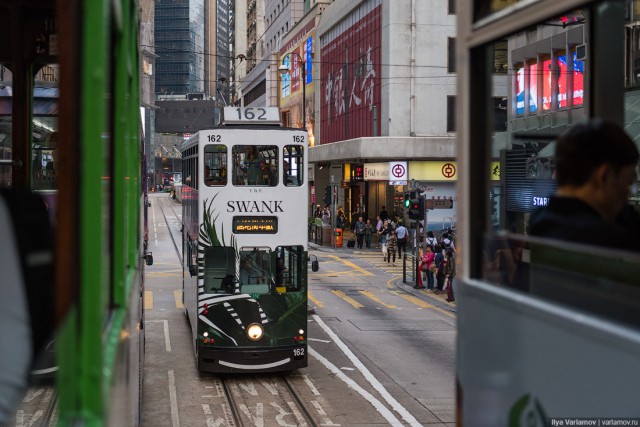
(298, 353)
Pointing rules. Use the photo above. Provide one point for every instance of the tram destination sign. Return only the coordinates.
(255, 224)
(251, 115)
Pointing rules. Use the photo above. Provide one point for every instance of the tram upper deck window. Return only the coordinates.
(292, 165)
(215, 165)
(255, 165)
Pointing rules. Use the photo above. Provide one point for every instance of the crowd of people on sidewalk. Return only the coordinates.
(438, 264)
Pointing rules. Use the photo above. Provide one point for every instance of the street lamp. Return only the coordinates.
(283, 69)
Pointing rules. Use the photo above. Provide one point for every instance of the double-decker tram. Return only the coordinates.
(548, 324)
(244, 198)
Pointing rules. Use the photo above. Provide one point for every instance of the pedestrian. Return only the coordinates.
(358, 228)
(318, 212)
(341, 218)
(447, 242)
(431, 240)
(326, 215)
(402, 234)
(368, 231)
(384, 215)
(595, 165)
(440, 264)
(392, 247)
(379, 224)
(384, 235)
(449, 274)
(428, 259)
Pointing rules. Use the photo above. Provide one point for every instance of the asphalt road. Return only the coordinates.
(381, 352)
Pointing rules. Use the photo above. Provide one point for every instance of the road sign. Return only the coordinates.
(438, 203)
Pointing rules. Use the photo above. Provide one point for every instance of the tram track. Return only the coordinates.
(39, 408)
(284, 401)
(163, 204)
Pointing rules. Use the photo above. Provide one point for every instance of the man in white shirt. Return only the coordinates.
(402, 234)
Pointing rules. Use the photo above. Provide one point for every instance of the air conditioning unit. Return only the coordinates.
(581, 52)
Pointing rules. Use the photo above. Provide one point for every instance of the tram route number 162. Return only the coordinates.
(251, 114)
(298, 352)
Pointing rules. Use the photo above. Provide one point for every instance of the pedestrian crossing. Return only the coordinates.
(365, 299)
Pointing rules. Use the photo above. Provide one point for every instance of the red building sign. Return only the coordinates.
(350, 76)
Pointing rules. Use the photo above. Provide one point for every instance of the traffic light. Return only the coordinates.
(415, 203)
(407, 199)
(327, 195)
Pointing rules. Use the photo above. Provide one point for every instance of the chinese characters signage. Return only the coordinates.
(350, 81)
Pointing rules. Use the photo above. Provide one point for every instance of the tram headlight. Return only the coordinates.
(255, 332)
(301, 331)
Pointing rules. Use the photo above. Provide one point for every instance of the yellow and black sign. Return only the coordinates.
(255, 224)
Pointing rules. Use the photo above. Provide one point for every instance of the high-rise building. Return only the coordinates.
(180, 46)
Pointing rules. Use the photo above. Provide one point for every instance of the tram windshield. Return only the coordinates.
(263, 271)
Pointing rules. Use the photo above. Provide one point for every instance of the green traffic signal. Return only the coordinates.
(407, 200)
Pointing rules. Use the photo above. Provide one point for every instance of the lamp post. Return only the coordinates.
(283, 69)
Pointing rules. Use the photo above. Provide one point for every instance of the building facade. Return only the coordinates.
(180, 46)
(384, 105)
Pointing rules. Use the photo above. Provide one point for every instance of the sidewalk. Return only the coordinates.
(407, 287)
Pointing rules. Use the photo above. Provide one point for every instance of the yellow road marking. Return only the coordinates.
(420, 303)
(350, 300)
(313, 299)
(352, 265)
(177, 296)
(415, 300)
(163, 274)
(376, 299)
(389, 284)
(148, 300)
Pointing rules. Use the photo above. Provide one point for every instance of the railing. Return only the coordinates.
(410, 265)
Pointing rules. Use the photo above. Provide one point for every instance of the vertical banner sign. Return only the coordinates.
(350, 75)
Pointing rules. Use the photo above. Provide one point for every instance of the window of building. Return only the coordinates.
(451, 55)
(500, 57)
(451, 113)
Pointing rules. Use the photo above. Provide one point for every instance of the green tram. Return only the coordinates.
(70, 131)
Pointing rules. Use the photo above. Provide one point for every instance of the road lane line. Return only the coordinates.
(313, 299)
(352, 265)
(420, 303)
(177, 296)
(349, 300)
(148, 300)
(175, 420)
(167, 340)
(376, 299)
(370, 378)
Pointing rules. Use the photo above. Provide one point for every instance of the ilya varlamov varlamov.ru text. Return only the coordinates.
(594, 421)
